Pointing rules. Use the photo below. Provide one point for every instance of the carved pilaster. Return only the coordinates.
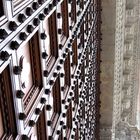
(126, 85)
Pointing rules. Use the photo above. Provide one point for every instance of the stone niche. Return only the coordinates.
(130, 4)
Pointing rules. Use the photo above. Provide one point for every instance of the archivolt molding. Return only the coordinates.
(118, 66)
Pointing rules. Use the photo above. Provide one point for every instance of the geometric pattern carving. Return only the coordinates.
(49, 69)
(7, 111)
(125, 87)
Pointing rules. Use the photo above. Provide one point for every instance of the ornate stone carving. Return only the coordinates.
(126, 75)
(128, 54)
(124, 131)
(130, 4)
(129, 38)
(130, 20)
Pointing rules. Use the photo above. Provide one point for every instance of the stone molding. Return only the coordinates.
(126, 69)
(125, 131)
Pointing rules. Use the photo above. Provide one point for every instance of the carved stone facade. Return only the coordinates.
(126, 70)
(125, 53)
(125, 131)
